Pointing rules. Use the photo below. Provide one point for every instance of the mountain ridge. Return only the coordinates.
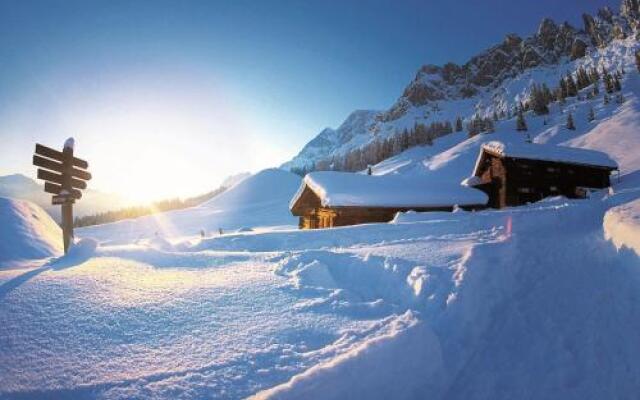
(472, 82)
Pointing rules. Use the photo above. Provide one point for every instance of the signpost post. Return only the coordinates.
(64, 176)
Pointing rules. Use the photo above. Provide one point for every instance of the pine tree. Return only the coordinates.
(489, 127)
(547, 95)
(538, 100)
(608, 83)
(594, 76)
(592, 115)
(495, 115)
(447, 128)
(606, 98)
(521, 124)
(616, 84)
(582, 78)
(572, 89)
(570, 123)
(560, 95)
(473, 127)
(459, 127)
(564, 92)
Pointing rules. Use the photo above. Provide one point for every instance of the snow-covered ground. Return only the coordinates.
(539, 301)
(530, 301)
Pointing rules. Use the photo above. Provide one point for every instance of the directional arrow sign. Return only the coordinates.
(59, 167)
(62, 199)
(55, 189)
(59, 156)
(59, 179)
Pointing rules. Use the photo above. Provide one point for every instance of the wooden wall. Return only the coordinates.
(324, 217)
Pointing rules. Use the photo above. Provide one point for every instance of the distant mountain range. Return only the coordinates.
(19, 186)
(93, 202)
(495, 80)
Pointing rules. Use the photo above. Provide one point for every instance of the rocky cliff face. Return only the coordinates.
(552, 44)
(549, 45)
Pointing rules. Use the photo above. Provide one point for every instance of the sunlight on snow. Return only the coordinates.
(132, 283)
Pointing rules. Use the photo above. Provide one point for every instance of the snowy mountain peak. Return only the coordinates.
(493, 81)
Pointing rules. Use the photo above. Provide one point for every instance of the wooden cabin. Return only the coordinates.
(328, 199)
(521, 173)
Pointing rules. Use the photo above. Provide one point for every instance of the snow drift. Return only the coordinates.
(27, 232)
(622, 226)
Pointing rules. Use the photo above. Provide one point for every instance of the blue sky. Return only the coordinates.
(199, 90)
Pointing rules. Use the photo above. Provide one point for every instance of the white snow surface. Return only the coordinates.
(343, 189)
(27, 232)
(548, 152)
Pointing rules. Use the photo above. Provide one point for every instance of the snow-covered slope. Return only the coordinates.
(27, 232)
(257, 201)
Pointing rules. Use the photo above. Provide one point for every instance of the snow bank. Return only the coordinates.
(343, 189)
(622, 226)
(27, 232)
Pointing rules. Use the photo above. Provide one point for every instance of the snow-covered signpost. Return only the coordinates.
(64, 176)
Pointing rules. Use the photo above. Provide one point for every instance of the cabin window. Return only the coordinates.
(553, 188)
(552, 169)
(525, 190)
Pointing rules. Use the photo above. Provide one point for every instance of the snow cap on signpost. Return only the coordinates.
(69, 143)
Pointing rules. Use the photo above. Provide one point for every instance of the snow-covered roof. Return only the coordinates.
(547, 152)
(343, 189)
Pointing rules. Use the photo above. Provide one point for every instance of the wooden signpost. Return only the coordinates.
(64, 176)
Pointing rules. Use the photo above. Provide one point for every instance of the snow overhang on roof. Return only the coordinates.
(342, 189)
(546, 152)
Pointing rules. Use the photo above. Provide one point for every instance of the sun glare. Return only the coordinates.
(165, 142)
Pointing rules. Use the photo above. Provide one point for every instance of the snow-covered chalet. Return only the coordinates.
(518, 173)
(328, 198)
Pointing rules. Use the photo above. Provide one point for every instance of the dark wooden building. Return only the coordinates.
(520, 173)
(329, 199)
